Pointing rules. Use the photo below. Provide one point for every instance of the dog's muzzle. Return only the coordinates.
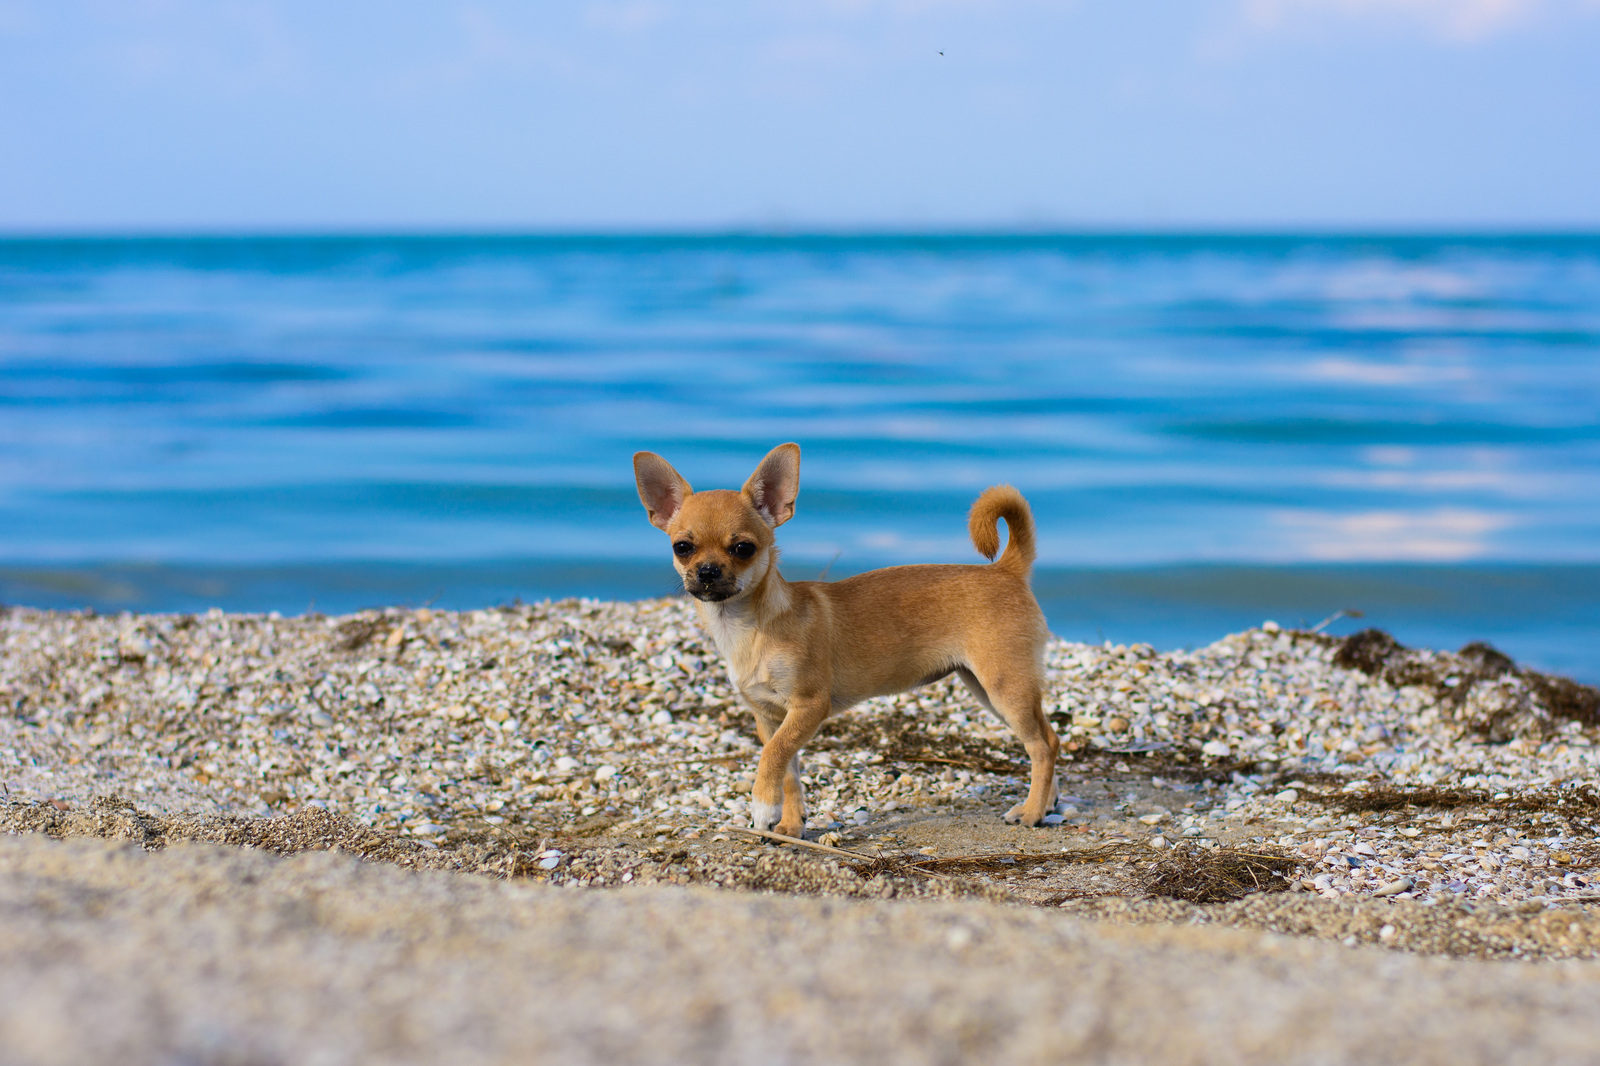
(710, 582)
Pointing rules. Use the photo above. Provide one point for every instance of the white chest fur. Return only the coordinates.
(754, 670)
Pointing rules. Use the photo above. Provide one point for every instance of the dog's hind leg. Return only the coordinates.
(1018, 698)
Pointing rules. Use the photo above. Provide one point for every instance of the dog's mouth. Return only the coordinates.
(715, 592)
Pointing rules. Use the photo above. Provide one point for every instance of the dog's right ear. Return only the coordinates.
(662, 489)
(772, 489)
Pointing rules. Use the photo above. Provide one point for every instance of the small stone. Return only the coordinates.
(861, 816)
(426, 829)
(321, 719)
(1052, 819)
(1288, 795)
(1394, 888)
(1216, 748)
(605, 773)
(1386, 933)
(1158, 842)
(1153, 819)
(661, 718)
(1411, 832)
(1116, 724)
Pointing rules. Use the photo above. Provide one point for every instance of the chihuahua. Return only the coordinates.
(799, 651)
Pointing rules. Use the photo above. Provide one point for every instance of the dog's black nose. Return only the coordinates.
(708, 573)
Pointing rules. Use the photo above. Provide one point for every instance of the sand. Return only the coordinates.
(206, 954)
(427, 836)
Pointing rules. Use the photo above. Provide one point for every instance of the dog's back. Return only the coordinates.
(909, 624)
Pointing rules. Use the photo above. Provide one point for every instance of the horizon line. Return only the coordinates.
(1580, 231)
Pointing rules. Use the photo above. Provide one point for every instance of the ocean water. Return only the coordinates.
(1211, 430)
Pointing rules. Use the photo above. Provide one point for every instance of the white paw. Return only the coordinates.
(765, 815)
(1014, 815)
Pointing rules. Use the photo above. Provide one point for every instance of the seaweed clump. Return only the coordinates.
(1219, 875)
(899, 739)
(355, 633)
(1480, 687)
(1571, 801)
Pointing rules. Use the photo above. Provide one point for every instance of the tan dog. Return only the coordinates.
(799, 651)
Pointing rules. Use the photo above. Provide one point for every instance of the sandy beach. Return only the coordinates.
(1343, 825)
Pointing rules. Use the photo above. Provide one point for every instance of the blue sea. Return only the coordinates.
(1212, 430)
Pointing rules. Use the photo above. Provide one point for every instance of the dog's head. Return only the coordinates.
(722, 542)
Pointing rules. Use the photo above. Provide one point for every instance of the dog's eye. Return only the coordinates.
(683, 549)
(744, 550)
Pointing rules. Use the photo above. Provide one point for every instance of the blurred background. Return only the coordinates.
(1271, 307)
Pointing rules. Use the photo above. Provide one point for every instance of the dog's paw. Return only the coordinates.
(765, 816)
(1018, 815)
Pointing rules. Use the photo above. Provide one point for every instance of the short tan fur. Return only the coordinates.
(798, 651)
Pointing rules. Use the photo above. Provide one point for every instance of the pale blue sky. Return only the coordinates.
(363, 114)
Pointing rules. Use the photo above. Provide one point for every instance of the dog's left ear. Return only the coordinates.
(772, 489)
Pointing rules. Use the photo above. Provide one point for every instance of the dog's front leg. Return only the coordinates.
(778, 799)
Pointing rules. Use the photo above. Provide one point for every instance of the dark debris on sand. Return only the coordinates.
(1480, 686)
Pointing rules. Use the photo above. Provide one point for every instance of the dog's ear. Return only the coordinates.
(662, 489)
(772, 489)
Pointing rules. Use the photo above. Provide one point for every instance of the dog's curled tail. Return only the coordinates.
(1003, 501)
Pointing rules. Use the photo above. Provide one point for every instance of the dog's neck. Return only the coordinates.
(731, 620)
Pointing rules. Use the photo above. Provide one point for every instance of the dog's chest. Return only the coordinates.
(754, 669)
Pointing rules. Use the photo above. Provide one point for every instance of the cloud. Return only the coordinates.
(1444, 535)
(1463, 21)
